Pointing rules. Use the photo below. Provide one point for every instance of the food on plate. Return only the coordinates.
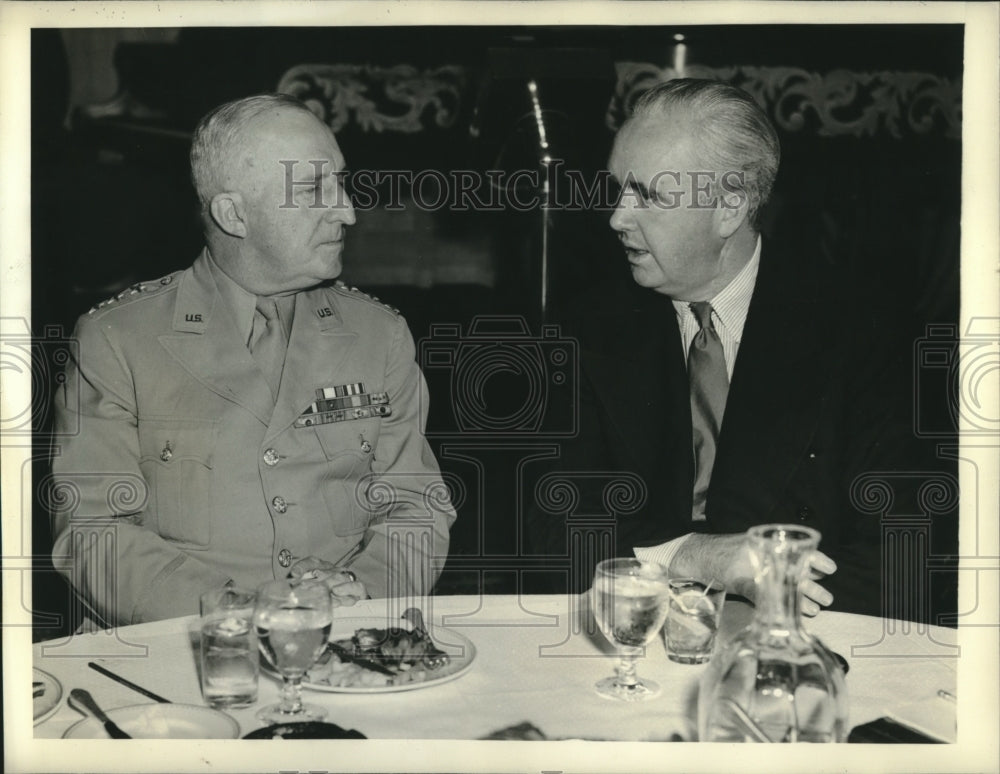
(410, 656)
(394, 646)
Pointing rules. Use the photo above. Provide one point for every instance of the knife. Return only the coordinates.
(345, 655)
(129, 683)
(83, 702)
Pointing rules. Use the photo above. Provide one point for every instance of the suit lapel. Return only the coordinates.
(628, 367)
(775, 397)
(638, 371)
(317, 347)
(206, 343)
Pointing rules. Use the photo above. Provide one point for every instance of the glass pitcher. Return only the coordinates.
(774, 682)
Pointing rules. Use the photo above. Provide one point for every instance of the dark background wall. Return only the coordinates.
(869, 119)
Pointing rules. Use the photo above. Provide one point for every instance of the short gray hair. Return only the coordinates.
(220, 131)
(733, 132)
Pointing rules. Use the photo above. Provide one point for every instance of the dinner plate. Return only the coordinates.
(458, 647)
(161, 721)
(305, 730)
(46, 704)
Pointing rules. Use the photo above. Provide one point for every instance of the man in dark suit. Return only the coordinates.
(737, 380)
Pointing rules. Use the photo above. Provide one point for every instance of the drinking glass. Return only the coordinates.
(693, 618)
(293, 620)
(629, 598)
(229, 652)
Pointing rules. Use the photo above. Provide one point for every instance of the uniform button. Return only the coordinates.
(285, 557)
(804, 513)
(366, 447)
(279, 504)
(271, 457)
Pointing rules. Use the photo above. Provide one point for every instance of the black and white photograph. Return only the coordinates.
(500, 386)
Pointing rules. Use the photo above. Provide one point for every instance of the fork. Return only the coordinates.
(435, 658)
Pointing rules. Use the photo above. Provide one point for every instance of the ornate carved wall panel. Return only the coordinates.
(378, 99)
(840, 102)
(403, 98)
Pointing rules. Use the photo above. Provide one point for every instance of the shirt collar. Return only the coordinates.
(240, 303)
(732, 303)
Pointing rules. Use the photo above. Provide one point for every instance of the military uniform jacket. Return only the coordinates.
(185, 473)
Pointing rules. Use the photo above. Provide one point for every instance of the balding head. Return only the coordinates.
(269, 176)
(224, 143)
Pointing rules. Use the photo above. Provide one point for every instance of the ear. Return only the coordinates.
(731, 213)
(229, 213)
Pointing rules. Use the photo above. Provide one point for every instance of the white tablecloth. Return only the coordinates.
(537, 660)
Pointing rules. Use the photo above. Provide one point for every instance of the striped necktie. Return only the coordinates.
(709, 388)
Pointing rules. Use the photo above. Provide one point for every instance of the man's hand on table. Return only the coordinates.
(345, 589)
(727, 559)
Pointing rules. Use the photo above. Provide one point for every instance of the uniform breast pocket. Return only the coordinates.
(176, 459)
(349, 448)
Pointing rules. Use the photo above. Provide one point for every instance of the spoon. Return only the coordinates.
(746, 723)
(83, 702)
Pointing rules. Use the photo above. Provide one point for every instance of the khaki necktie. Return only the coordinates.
(709, 387)
(268, 341)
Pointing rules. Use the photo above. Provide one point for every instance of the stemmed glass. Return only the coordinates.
(630, 601)
(293, 620)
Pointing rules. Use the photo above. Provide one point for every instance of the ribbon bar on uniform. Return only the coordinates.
(351, 401)
(309, 419)
(340, 391)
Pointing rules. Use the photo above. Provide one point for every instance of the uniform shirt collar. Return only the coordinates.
(240, 303)
(732, 303)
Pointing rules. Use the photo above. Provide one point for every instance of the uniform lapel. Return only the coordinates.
(317, 347)
(208, 346)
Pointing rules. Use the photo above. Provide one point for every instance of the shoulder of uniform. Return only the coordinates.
(359, 295)
(140, 290)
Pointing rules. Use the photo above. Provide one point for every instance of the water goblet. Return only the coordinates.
(293, 620)
(629, 598)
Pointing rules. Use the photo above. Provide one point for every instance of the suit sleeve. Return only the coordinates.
(122, 571)
(405, 547)
(886, 472)
(587, 451)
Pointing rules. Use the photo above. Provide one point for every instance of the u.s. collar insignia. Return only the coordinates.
(344, 402)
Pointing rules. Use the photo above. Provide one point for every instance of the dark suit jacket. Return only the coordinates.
(821, 395)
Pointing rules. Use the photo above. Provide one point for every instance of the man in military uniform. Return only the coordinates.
(247, 418)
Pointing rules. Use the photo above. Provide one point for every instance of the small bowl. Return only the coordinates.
(161, 721)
